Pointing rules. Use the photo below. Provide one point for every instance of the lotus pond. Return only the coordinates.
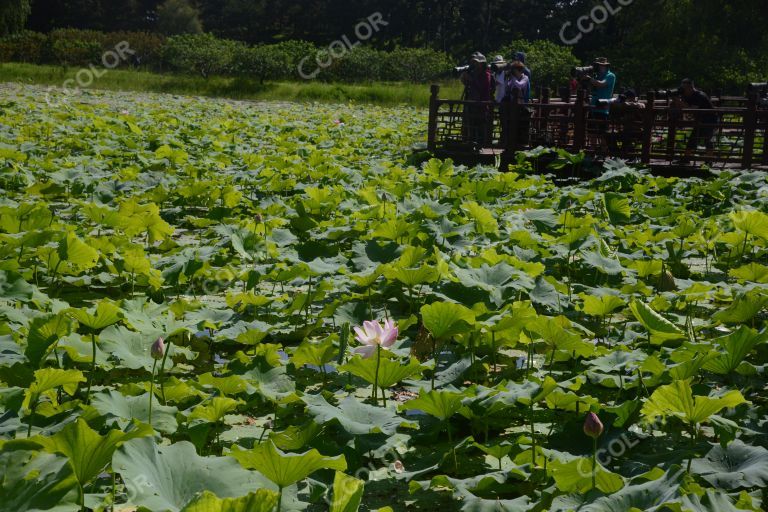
(217, 306)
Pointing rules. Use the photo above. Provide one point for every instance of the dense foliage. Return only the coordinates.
(653, 43)
(254, 238)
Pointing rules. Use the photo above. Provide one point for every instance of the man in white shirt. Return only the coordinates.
(498, 68)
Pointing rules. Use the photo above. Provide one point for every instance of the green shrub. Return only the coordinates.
(148, 47)
(361, 64)
(264, 62)
(415, 64)
(72, 47)
(550, 63)
(24, 46)
(201, 54)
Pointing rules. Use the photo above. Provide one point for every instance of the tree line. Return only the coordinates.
(720, 43)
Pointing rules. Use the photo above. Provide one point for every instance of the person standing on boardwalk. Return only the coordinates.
(704, 130)
(478, 87)
(603, 84)
(520, 57)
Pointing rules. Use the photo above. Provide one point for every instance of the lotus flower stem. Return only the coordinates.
(376, 376)
(593, 428)
(594, 462)
(279, 499)
(533, 439)
(152, 390)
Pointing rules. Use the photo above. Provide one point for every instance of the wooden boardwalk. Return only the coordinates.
(656, 136)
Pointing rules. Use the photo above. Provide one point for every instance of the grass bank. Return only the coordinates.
(380, 93)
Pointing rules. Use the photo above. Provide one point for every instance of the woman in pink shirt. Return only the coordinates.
(517, 86)
(517, 80)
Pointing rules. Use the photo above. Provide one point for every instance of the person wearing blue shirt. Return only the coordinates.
(603, 85)
(520, 56)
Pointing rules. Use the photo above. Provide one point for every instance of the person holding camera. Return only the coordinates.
(500, 73)
(520, 57)
(603, 84)
(704, 130)
(478, 87)
(477, 79)
(516, 87)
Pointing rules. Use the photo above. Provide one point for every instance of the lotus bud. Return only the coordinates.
(593, 427)
(158, 348)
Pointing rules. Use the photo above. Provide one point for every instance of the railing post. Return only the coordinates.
(433, 108)
(750, 129)
(514, 122)
(673, 114)
(764, 117)
(579, 121)
(648, 122)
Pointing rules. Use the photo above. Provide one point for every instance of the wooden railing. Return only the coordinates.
(659, 134)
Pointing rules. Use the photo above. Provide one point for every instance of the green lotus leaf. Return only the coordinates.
(119, 410)
(743, 309)
(214, 410)
(88, 451)
(440, 404)
(754, 272)
(44, 331)
(354, 416)
(285, 469)
(14, 287)
(168, 478)
(601, 306)
(48, 379)
(660, 329)
(347, 493)
(735, 347)
(262, 500)
(737, 466)
(317, 354)
(391, 371)
(74, 256)
(446, 319)
(34, 481)
(104, 314)
(677, 400)
(752, 222)
(576, 476)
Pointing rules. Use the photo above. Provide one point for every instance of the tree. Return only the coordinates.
(13, 15)
(178, 17)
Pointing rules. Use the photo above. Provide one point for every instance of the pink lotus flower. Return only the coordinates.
(593, 427)
(374, 335)
(157, 351)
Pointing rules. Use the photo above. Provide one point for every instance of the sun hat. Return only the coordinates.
(478, 57)
(498, 60)
(602, 61)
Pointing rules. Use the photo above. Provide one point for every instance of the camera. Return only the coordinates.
(583, 75)
(761, 89)
(461, 69)
(619, 100)
(669, 93)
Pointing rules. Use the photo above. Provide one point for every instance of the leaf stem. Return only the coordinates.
(162, 370)
(93, 368)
